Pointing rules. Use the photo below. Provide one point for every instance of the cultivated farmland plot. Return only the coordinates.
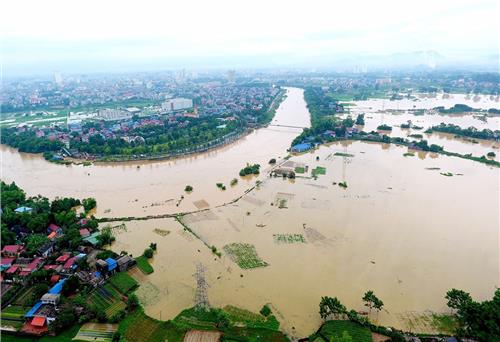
(100, 332)
(288, 238)
(245, 255)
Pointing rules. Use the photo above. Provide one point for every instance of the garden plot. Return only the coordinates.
(283, 199)
(282, 239)
(13, 316)
(100, 332)
(108, 299)
(244, 255)
(318, 170)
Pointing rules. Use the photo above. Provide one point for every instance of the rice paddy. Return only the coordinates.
(244, 255)
(288, 238)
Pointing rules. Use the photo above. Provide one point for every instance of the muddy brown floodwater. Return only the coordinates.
(400, 228)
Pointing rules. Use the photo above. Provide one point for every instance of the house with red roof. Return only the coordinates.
(31, 267)
(70, 263)
(6, 263)
(84, 232)
(63, 258)
(12, 250)
(54, 228)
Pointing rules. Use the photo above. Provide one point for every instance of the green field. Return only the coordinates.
(65, 336)
(342, 154)
(319, 170)
(139, 327)
(244, 255)
(333, 330)
(300, 169)
(108, 299)
(144, 265)
(239, 316)
(123, 282)
(288, 238)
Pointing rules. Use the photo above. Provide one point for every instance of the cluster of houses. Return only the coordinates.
(16, 268)
(310, 142)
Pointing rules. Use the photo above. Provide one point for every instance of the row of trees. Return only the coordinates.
(332, 307)
(478, 320)
(470, 132)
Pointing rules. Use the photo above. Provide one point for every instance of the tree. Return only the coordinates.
(371, 301)
(221, 319)
(71, 285)
(152, 245)
(35, 241)
(480, 320)
(331, 306)
(265, 311)
(458, 299)
(188, 188)
(38, 291)
(132, 302)
(148, 253)
(89, 204)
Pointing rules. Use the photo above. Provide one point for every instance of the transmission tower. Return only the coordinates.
(201, 296)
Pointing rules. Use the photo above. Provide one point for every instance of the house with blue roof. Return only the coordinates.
(303, 147)
(23, 210)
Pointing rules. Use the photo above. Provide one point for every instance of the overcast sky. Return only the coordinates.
(79, 35)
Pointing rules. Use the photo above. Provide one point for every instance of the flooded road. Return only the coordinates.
(401, 228)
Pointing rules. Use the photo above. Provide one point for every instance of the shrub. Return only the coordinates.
(188, 188)
(148, 253)
(265, 311)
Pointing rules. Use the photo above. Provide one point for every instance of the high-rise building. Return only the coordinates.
(231, 76)
(58, 78)
(179, 103)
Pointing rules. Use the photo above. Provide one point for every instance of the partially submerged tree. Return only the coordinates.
(331, 306)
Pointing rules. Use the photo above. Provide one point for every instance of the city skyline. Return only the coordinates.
(127, 36)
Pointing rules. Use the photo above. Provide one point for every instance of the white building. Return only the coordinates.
(114, 114)
(177, 104)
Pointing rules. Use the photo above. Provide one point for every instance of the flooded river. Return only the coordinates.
(401, 228)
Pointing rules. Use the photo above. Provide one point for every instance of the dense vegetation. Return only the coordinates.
(250, 170)
(28, 141)
(458, 108)
(31, 227)
(480, 320)
(470, 132)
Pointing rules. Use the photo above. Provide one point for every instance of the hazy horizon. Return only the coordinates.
(90, 36)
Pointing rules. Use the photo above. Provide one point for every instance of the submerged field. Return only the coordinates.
(336, 241)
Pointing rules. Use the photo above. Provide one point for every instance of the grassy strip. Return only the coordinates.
(123, 282)
(342, 331)
(144, 265)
